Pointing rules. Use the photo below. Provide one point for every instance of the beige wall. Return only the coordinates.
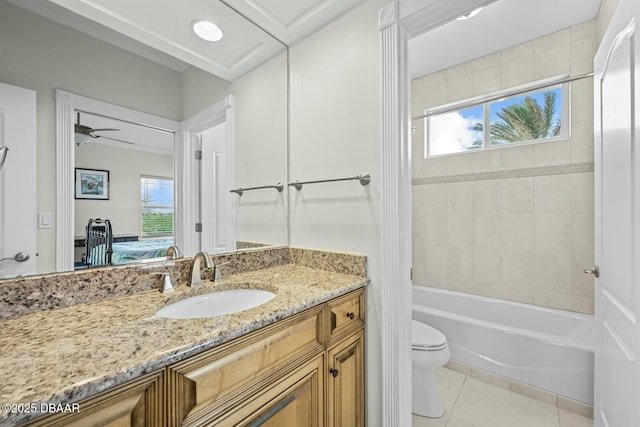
(335, 132)
(125, 168)
(516, 222)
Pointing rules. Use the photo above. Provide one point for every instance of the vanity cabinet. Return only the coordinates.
(304, 370)
(138, 403)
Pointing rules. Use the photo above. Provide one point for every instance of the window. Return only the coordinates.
(504, 119)
(156, 200)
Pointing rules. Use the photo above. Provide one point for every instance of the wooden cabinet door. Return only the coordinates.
(138, 403)
(345, 384)
(295, 401)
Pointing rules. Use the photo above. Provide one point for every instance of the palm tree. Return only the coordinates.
(525, 121)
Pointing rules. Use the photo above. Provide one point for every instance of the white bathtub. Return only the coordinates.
(547, 348)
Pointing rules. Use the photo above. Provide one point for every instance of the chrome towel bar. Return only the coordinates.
(364, 179)
(241, 190)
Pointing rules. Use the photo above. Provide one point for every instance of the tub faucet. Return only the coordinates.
(195, 267)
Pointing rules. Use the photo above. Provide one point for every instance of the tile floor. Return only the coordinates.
(470, 402)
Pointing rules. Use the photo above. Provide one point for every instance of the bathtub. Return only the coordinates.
(543, 347)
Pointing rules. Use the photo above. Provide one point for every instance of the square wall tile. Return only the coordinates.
(582, 54)
(517, 157)
(517, 72)
(439, 77)
(518, 294)
(487, 197)
(551, 41)
(417, 148)
(517, 231)
(460, 89)
(582, 234)
(552, 62)
(435, 95)
(435, 260)
(516, 52)
(487, 265)
(517, 195)
(552, 299)
(584, 29)
(488, 61)
(435, 229)
(486, 81)
(459, 262)
(434, 166)
(459, 164)
(436, 199)
(460, 230)
(517, 273)
(552, 194)
(487, 231)
(582, 193)
(584, 305)
(486, 161)
(460, 200)
(552, 272)
(582, 100)
(552, 233)
(552, 153)
(582, 142)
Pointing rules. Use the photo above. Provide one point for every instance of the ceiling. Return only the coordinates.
(161, 31)
(500, 25)
(143, 138)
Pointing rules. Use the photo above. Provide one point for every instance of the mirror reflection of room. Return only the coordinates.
(133, 164)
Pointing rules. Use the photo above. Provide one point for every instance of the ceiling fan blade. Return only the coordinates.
(114, 139)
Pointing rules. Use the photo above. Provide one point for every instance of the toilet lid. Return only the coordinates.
(424, 337)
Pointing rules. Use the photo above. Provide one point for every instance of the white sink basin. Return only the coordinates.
(216, 304)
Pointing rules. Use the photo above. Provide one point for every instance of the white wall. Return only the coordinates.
(125, 168)
(41, 55)
(334, 126)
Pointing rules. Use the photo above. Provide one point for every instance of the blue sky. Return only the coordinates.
(159, 192)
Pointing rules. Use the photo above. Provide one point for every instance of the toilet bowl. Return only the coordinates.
(429, 350)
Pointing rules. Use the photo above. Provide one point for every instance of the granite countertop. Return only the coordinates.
(67, 354)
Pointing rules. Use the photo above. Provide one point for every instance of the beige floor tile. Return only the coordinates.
(486, 405)
(418, 421)
(569, 419)
(450, 383)
(457, 422)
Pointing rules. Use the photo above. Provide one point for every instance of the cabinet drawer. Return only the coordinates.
(205, 384)
(346, 313)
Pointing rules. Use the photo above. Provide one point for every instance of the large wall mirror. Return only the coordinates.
(136, 117)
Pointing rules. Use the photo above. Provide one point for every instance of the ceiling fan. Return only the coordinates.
(84, 134)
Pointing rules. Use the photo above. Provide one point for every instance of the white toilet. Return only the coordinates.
(429, 350)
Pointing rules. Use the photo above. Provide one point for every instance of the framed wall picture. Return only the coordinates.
(92, 184)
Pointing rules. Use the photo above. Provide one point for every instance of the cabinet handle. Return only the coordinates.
(351, 315)
(334, 372)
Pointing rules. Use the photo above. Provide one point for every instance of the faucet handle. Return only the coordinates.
(217, 274)
(167, 285)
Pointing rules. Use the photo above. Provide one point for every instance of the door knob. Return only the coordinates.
(333, 372)
(593, 270)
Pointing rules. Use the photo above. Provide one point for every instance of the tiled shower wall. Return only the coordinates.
(514, 223)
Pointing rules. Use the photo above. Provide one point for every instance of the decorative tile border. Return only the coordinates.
(506, 174)
(554, 399)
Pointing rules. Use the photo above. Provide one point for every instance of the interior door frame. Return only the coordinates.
(187, 142)
(66, 105)
(397, 23)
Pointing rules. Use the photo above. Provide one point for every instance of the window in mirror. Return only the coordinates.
(156, 199)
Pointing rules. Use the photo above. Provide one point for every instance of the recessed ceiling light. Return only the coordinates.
(469, 15)
(206, 30)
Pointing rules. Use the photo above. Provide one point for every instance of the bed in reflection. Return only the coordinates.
(127, 252)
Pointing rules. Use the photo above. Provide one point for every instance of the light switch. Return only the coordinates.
(45, 220)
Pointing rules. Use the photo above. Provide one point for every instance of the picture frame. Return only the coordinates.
(92, 184)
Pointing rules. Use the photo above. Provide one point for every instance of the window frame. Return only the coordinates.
(143, 206)
(486, 100)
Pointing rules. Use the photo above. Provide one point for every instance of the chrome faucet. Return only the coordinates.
(195, 267)
(173, 252)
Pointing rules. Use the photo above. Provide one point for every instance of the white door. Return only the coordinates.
(18, 216)
(617, 162)
(215, 208)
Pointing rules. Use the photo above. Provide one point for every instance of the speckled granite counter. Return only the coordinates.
(67, 354)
